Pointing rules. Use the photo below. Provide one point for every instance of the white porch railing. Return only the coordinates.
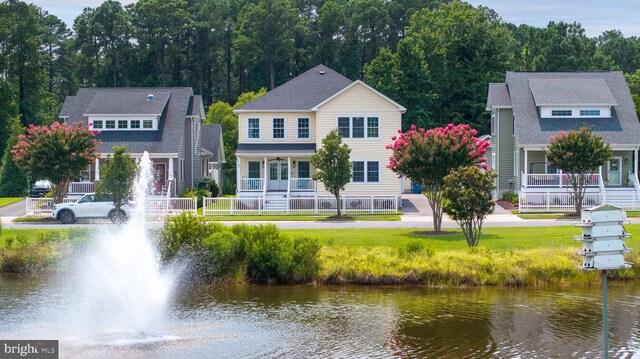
(324, 205)
(42, 206)
(556, 180)
(251, 184)
(81, 187)
(555, 201)
(302, 184)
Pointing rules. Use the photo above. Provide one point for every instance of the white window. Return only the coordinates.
(589, 113)
(303, 127)
(123, 124)
(254, 128)
(135, 123)
(372, 127)
(148, 124)
(181, 169)
(359, 127)
(561, 113)
(365, 171)
(344, 127)
(97, 124)
(304, 169)
(278, 128)
(111, 124)
(254, 169)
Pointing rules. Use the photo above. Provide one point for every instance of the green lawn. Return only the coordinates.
(630, 214)
(497, 239)
(8, 200)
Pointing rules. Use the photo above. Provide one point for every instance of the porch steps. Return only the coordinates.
(275, 204)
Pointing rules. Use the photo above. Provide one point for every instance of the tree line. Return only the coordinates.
(434, 57)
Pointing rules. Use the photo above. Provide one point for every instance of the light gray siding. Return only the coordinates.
(504, 153)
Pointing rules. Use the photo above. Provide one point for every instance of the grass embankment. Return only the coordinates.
(38, 250)
(505, 256)
(4, 201)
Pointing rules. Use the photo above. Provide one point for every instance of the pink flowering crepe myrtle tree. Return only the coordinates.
(427, 156)
(58, 153)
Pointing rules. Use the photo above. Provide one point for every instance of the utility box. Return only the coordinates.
(602, 238)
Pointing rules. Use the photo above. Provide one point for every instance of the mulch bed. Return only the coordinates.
(506, 204)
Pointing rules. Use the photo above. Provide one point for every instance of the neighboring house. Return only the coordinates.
(531, 107)
(280, 131)
(165, 122)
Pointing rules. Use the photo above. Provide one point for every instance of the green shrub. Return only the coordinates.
(214, 188)
(269, 256)
(184, 232)
(195, 192)
(226, 253)
(415, 247)
(306, 265)
(511, 197)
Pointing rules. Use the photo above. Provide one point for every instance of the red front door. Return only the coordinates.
(159, 177)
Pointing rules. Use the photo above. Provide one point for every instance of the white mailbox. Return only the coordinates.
(603, 238)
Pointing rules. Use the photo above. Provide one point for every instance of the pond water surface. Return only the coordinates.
(339, 321)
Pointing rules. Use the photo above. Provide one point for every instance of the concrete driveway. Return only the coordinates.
(11, 211)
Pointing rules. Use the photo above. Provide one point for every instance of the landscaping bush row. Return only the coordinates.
(259, 254)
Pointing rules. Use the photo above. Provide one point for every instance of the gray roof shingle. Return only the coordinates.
(151, 102)
(529, 128)
(211, 135)
(170, 128)
(302, 92)
(276, 148)
(498, 96)
(571, 91)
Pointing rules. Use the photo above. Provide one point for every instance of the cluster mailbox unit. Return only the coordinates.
(602, 238)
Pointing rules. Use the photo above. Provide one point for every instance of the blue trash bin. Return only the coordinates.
(416, 188)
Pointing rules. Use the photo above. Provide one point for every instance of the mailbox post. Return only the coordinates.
(603, 248)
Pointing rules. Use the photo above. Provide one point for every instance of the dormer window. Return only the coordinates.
(561, 113)
(590, 113)
(124, 124)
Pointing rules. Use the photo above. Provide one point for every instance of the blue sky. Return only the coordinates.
(595, 16)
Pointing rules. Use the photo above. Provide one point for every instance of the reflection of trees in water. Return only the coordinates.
(454, 323)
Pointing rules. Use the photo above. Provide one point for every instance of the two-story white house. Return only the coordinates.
(531, 107)
(280, 131)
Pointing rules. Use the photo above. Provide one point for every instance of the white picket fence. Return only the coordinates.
(154, 205)
(323, 205)
(555, 201)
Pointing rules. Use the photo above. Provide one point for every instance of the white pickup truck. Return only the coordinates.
(89, 206)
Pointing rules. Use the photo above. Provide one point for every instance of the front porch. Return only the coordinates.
(275, 177)
(165, 177)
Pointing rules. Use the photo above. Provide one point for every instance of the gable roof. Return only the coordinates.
(300, 93)
(530, 129)
(565, 91)
(212, 141)
(170, 127)
(498, 96)
(402, 109)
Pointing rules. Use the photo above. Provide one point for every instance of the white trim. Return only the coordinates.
(139, 155)
(298, 128)
(272, 110)
(366, 172)
(400, 108)
(249, 138)
(284, 128)
(121, 114)
(575, 104)
(277, 154)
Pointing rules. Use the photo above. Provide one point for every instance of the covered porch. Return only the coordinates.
(619, 173)
(275, 175)
(165, 174)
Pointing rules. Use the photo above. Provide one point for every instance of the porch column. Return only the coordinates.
(170, 174)
(97, 169)
(266, 175)
(635, 161)
(525, 180)
(288, 175)
(238, 175)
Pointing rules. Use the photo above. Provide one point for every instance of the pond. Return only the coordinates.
(242, 321)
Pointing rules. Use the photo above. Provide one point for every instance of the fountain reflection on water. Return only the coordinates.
(122, 292)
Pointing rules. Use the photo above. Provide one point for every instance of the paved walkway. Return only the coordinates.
(9, 212)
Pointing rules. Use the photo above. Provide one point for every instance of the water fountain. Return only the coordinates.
(121, 290)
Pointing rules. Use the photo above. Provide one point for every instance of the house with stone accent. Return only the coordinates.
(531, 107)
(280, 131)
(165, 122)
